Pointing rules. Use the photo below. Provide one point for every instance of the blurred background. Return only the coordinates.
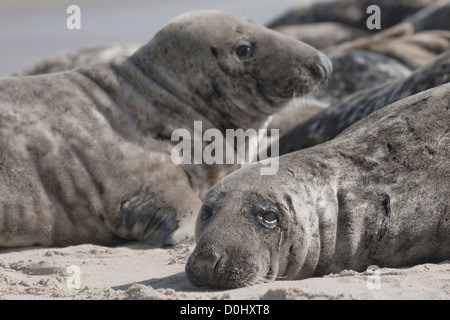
(31, 30)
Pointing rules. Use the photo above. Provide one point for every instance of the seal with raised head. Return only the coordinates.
(376, 195)
(85, 154)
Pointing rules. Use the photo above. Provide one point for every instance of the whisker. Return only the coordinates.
(259, 280)
(222, 184)
(257, 184)
(263, 280)
(228, 170)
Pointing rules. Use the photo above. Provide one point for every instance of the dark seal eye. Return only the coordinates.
(244, 51)
(268, 218)
(206, 213)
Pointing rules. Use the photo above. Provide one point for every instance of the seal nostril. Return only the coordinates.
(203, 269)
(322, 67)
(319, 71)
(218, 264)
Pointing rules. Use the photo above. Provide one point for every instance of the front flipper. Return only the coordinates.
(159, 218)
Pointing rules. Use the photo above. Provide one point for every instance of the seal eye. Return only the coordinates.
(243, 51)
(268, 218)
(206, 213)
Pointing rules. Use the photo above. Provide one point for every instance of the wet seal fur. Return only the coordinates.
(376, 195)
(85, 154)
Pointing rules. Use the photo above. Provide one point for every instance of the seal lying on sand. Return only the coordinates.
(330, 122)
(85, 155)
(376, 195)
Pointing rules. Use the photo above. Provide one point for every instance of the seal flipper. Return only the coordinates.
(146, 216)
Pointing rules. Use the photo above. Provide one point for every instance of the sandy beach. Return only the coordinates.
(136, 271)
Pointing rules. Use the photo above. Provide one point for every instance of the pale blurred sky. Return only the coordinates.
(31, 30)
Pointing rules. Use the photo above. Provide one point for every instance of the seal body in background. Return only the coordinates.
(328, 123)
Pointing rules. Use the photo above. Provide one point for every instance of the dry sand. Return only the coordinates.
(136, 271)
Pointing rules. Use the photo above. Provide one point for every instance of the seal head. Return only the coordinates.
(232, 66)
(375, 195)
(277, 236)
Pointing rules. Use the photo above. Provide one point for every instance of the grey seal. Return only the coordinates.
(86, 154)
(330, 122)
(376, 195)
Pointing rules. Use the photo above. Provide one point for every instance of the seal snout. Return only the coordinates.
(221, 270)
(201, 268)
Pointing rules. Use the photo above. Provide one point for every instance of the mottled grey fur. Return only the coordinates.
(376, 195)
(329, 123)
(85, 154)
